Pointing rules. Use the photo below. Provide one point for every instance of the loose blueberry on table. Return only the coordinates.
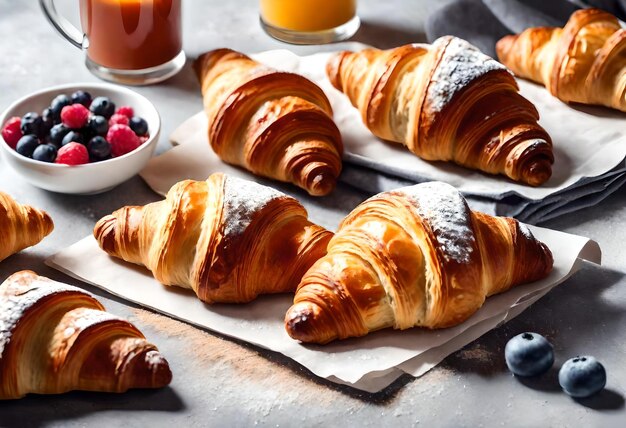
(528, 354)
(76, 130)
(582, 376)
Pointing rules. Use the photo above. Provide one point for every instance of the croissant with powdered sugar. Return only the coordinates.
(447, 102)
(56, 338)
(225, 238)
(413, 257)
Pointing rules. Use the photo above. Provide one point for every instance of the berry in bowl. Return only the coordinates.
(81, 138)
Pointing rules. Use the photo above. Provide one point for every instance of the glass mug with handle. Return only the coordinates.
(309, 21)
(135, 42)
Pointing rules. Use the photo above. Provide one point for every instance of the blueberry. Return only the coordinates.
(81, 97)
(528, 354)
(57, 105)
(32, 123)
(45, 153)
(74, 136)
(47, 119)
(99, 148)
(98, 125)
(582, 376)
(27, 145)
(57, 133)
(102, 106)
(138, 125)
(87, 133)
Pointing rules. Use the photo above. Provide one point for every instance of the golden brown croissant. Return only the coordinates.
(20, 226)
(447, 102)
(56, 338)
(275, 124)
(227, 239)
(584, 62)
(417, 256)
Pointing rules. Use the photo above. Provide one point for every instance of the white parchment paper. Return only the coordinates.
(369, 363)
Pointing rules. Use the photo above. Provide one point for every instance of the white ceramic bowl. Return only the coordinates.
(93, 177)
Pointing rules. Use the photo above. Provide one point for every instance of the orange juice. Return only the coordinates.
(307, 15)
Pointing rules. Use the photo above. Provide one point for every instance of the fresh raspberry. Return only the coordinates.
(144, 138)
(126, 111)
(73, 154)
(74, 116)
(122, 139)
(12, 132)
(118, 119)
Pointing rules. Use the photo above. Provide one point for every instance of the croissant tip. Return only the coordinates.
(539, 172)
(161, 372)
(503, 46)
(297, 320)
(48, 222)
(302, 323)
(104, 232)
(322, 184)
(205, 61)
(333, 66)
(147, 369)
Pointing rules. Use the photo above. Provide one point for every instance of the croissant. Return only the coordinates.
(584, 62)
(56, 338)
(417, 256)
(227, 239)
(447, 102)
(21, 226)
(275, 124)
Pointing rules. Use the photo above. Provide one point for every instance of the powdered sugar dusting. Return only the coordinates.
(461, 63)
(154, 359)
(17, 297)
(89, 317)
(526, 231)
(243, 198)
(448, 215)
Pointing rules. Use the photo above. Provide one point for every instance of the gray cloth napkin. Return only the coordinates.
(483, 23)
(585, 193)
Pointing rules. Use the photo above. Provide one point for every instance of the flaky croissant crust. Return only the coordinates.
(413, 257)
(56, 338)
(21, 226)
(584, 62)
(227, 239)
(275, 124)
(448, 102)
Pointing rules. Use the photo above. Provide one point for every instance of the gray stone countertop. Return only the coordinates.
(219, 382)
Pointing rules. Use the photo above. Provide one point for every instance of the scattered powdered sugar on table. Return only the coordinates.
(447, 213)
(235, 364)
(461, 63)
(242, 199)
(16, 299)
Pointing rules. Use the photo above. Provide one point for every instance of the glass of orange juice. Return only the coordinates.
(309, 21)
